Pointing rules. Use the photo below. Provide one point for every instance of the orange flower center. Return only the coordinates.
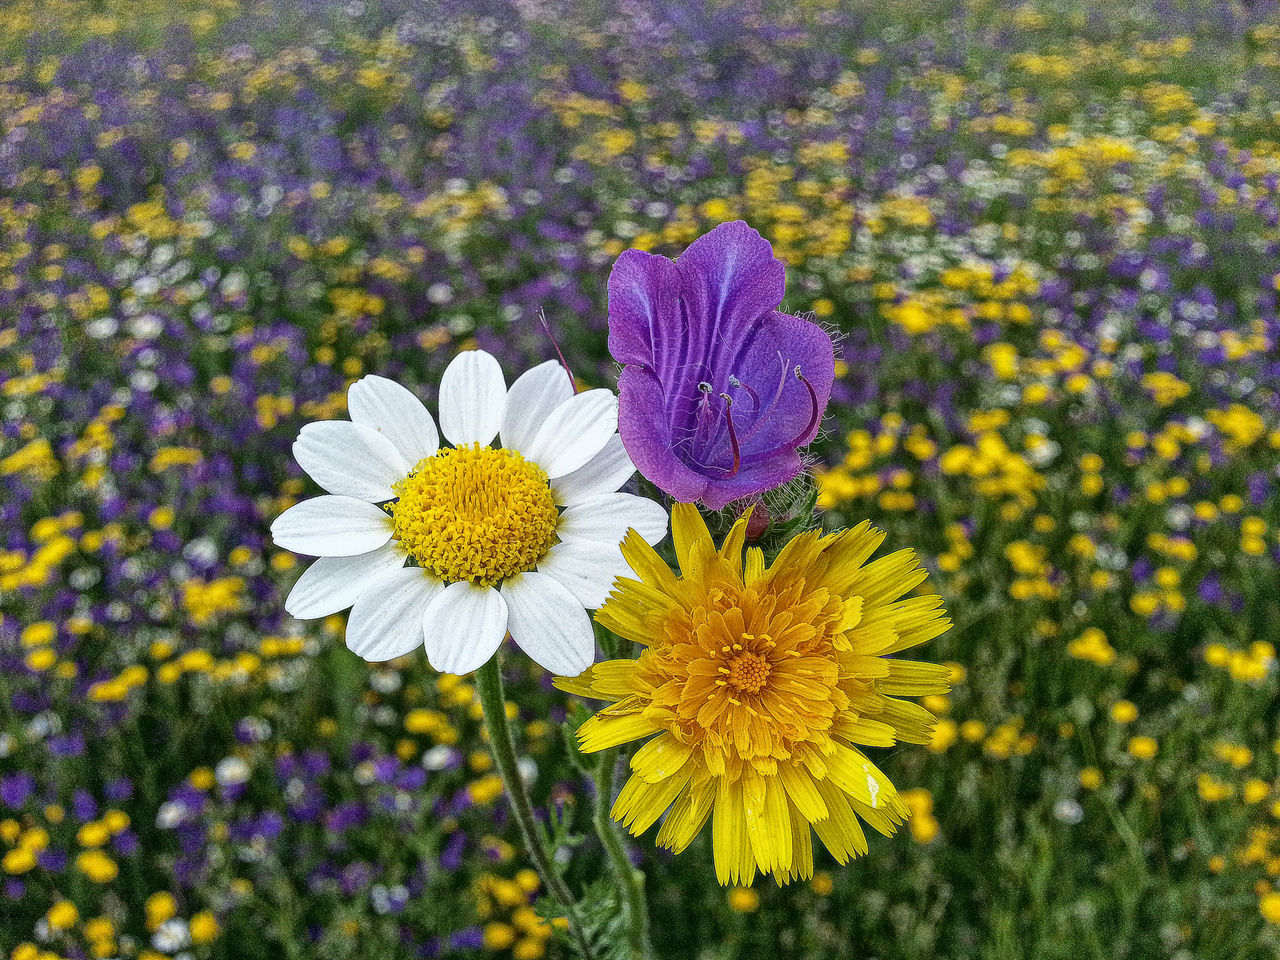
(749, 675)
(748, 672)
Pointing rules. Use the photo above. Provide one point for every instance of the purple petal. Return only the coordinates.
(756, 476)
(646, 435)
(644, 311)
(731, 280)
(787, 408)
(814, 353)
(711, 406)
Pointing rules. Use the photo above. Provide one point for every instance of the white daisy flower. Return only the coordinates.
(455, 546)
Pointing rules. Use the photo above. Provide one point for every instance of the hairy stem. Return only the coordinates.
(489, 687)
(630, 881)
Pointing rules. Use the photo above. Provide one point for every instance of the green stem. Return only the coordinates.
(489, 688)
(630, 880)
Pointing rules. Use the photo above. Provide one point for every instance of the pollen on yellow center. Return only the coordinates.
(475, 513)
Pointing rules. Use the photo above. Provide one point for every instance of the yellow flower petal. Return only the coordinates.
(691, 538)
(610, 729)
(840, 833)
(735, 863)
(802, 791)
(911, 678)
(731, 549)
(660, 758)
(640, 804)
(687, 816)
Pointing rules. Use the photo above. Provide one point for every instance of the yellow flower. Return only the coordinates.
(743, 900)
(97, 866)
(924, 826)
(758, 681)
(41, 659)
(1269, 906)
(1143, 747)
(18, 860)
(62, 915)
(1123, 711)
(99, 928)
(93, 834)
(498, 936)
(1255, 790)
(38, 634)
(485, 790)
(944, 735)
(204, 927)
(1092, 645)
(160, 907)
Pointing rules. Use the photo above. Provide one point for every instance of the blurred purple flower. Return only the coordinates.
(719, 388)
(53, 859)
(451, 855)
(83, 805)
(118, 790)
(468, 938)
(15, 788)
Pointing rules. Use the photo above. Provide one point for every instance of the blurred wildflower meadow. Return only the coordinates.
(1048, 237)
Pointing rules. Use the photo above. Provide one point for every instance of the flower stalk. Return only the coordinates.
(488, 680)
(630, 881)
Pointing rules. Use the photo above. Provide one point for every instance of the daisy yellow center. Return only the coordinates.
(475, 513)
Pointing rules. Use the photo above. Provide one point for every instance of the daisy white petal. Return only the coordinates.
(548, 623)
(604, 473)
(587, 568)
(574, 432)
(531, 399)
(609, 516)
(334, 583)
(464, 626)
(331, 527)
(350, 460)
(396, 413)
(386, 621)
(473, 396)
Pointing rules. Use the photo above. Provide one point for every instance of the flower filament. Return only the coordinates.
(759, 417)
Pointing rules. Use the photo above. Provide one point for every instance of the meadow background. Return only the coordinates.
(1049, 238)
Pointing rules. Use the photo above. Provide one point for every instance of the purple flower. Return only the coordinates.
(15, 788)
(719, 388)
(468, 938)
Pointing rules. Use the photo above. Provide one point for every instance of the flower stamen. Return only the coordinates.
(564, 364)
(755, 397)
(733, 436)
(725, 473)
(815, 409)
